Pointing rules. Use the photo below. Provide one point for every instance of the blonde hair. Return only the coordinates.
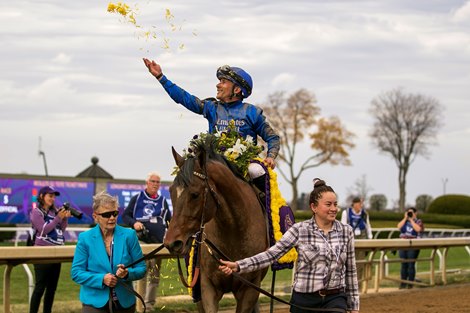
(104, 199)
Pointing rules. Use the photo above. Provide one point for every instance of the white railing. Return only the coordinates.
(393, 232)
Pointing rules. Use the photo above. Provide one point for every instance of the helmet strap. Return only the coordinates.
(233, 95)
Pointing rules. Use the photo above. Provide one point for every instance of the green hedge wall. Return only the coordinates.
(451, 204)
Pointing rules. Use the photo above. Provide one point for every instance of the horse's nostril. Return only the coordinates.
(175, 246)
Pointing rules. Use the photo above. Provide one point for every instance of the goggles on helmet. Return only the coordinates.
(227, 71)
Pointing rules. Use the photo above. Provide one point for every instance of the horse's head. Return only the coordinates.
(194, 201)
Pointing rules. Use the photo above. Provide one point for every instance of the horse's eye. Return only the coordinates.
(194, 195)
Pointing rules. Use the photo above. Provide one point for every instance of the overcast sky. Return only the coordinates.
(72, 74)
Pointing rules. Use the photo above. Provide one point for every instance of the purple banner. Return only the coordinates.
(19, 196)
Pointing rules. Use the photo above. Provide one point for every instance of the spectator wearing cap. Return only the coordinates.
(49, 224)
(148, 213)
(357, 217)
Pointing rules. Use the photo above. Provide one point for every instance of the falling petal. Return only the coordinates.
(168, 14)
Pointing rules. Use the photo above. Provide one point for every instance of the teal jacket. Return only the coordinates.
(91, 263)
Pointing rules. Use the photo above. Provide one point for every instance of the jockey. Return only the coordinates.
(234, 85)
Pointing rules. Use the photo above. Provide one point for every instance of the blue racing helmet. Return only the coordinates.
(237, 76)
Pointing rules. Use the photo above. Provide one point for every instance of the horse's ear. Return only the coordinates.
(178, 158)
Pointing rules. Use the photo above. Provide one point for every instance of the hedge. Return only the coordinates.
(451, 204)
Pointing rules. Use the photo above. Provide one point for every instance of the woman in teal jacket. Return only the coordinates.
(99, 260)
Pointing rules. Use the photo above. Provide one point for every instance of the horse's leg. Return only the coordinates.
(256, 308)
(200, 308)
(247, 300)
(210, 297)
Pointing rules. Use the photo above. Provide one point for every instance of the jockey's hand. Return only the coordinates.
(270, 162)
(228, 267)
(153, 68)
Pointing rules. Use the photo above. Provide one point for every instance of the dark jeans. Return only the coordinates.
(408, 269)
(47, 277)
(314, 300)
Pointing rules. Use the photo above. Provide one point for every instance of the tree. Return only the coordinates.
(423, 202)
(405, 125)
(295, 117)
(378, 202)
(360, 189)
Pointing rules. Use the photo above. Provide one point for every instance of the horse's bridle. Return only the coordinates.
(199, 237)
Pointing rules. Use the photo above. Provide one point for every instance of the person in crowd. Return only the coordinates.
(148, 213)
(49, 224)
(411, 227)
(325, 274)
(357, 217)
(233, 87)
(101, 256)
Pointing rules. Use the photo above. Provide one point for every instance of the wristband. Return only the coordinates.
(159, 76)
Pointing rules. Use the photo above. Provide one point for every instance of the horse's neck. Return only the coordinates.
(240, 207)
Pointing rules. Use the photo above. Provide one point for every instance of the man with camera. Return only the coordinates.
(148, 213)
(411, 227)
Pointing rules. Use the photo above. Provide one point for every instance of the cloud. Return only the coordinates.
(62, 58)
(462, 14)
(282, 80)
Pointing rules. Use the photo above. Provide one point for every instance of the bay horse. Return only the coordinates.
(207, 195)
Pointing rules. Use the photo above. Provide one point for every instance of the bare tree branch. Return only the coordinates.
(405, 125)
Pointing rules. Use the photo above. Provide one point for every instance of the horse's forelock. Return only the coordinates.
(185, 173)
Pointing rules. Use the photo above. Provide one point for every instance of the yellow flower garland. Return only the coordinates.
(190, 266)
(277, 201)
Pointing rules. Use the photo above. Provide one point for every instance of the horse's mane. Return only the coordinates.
(204, 151)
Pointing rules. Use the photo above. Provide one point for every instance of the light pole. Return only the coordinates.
(41, 153)
(444, 183)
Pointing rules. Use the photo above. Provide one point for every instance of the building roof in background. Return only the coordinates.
(94, 171)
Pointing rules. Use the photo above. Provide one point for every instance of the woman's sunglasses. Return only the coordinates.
(109, 214)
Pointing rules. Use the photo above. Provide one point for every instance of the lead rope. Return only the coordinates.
(131, 290)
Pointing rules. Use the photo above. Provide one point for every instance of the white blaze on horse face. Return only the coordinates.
(179, 191)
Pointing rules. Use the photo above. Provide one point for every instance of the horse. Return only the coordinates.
(208, 196)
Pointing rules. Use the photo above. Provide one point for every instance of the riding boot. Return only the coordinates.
(260, 184)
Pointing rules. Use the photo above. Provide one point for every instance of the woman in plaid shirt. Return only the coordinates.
(325, 274)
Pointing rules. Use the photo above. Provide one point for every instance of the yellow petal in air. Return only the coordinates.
(111, 7)
(168, 14)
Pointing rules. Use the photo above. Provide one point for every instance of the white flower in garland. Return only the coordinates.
(234, 152)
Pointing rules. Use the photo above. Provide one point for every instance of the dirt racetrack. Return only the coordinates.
(441, 299)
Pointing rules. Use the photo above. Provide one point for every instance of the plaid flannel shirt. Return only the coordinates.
(325, 261)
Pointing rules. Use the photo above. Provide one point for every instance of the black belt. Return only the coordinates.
(328, 292)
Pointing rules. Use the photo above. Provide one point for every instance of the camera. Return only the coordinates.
(75, 213)
(410, 214)
(144, 235)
